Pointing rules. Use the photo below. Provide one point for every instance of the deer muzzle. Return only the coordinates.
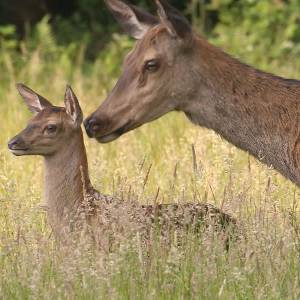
(104, 131)
(17, 146)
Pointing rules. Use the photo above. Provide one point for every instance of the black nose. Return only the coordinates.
(13, 143)
(91, 126)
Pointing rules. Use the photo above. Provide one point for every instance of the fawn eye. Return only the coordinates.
(152, 65)
(50, 129)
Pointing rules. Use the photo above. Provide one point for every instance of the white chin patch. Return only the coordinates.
(18, 152)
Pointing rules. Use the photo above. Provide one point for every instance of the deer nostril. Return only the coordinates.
(95, 127)
(91, 126)
(12, 144)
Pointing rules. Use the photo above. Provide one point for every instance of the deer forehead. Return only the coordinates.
(51, 114)
(157, 44)
(156, 39)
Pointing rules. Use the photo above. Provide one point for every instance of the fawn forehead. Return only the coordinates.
(50, 114)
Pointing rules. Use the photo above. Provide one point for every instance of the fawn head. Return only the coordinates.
(51, 126)
(155, 73)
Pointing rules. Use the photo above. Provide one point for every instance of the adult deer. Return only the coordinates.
(173, 69)
(55, 133)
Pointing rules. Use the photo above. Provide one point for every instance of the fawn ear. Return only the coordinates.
(72, 107)
(34, 101)
(176, 24)
(135, 21)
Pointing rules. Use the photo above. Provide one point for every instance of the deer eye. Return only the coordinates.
(152, 65)
(50, 129)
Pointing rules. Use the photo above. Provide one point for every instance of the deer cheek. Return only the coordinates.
(142, 80)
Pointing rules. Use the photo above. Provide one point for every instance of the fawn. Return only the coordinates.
(55, 133)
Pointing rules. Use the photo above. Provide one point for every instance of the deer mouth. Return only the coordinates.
(19, 152)
(107, 138)
(17, 147)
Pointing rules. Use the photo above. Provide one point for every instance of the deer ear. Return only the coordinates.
(34, 101)
(72, 107)
(176, 24)
(135, 21)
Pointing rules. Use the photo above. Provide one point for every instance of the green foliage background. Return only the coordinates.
(271, 27)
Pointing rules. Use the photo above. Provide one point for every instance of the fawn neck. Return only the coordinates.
(66, 178)
(256, 111)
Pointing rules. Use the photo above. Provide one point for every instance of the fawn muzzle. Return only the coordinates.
(17, 146)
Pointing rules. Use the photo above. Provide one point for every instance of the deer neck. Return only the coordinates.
(66, 179)
(256, 111)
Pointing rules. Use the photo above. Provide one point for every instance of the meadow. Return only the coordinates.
(167, 161)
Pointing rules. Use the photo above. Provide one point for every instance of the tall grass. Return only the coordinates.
(171, 158)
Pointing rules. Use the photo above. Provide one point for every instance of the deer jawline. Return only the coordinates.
(18, 152)
(108, 138)
(115, 134)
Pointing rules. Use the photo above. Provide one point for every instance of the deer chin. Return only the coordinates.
(19, 152)
(107, 138)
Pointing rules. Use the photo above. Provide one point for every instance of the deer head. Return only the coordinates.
(51, 126)
(156, 76)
